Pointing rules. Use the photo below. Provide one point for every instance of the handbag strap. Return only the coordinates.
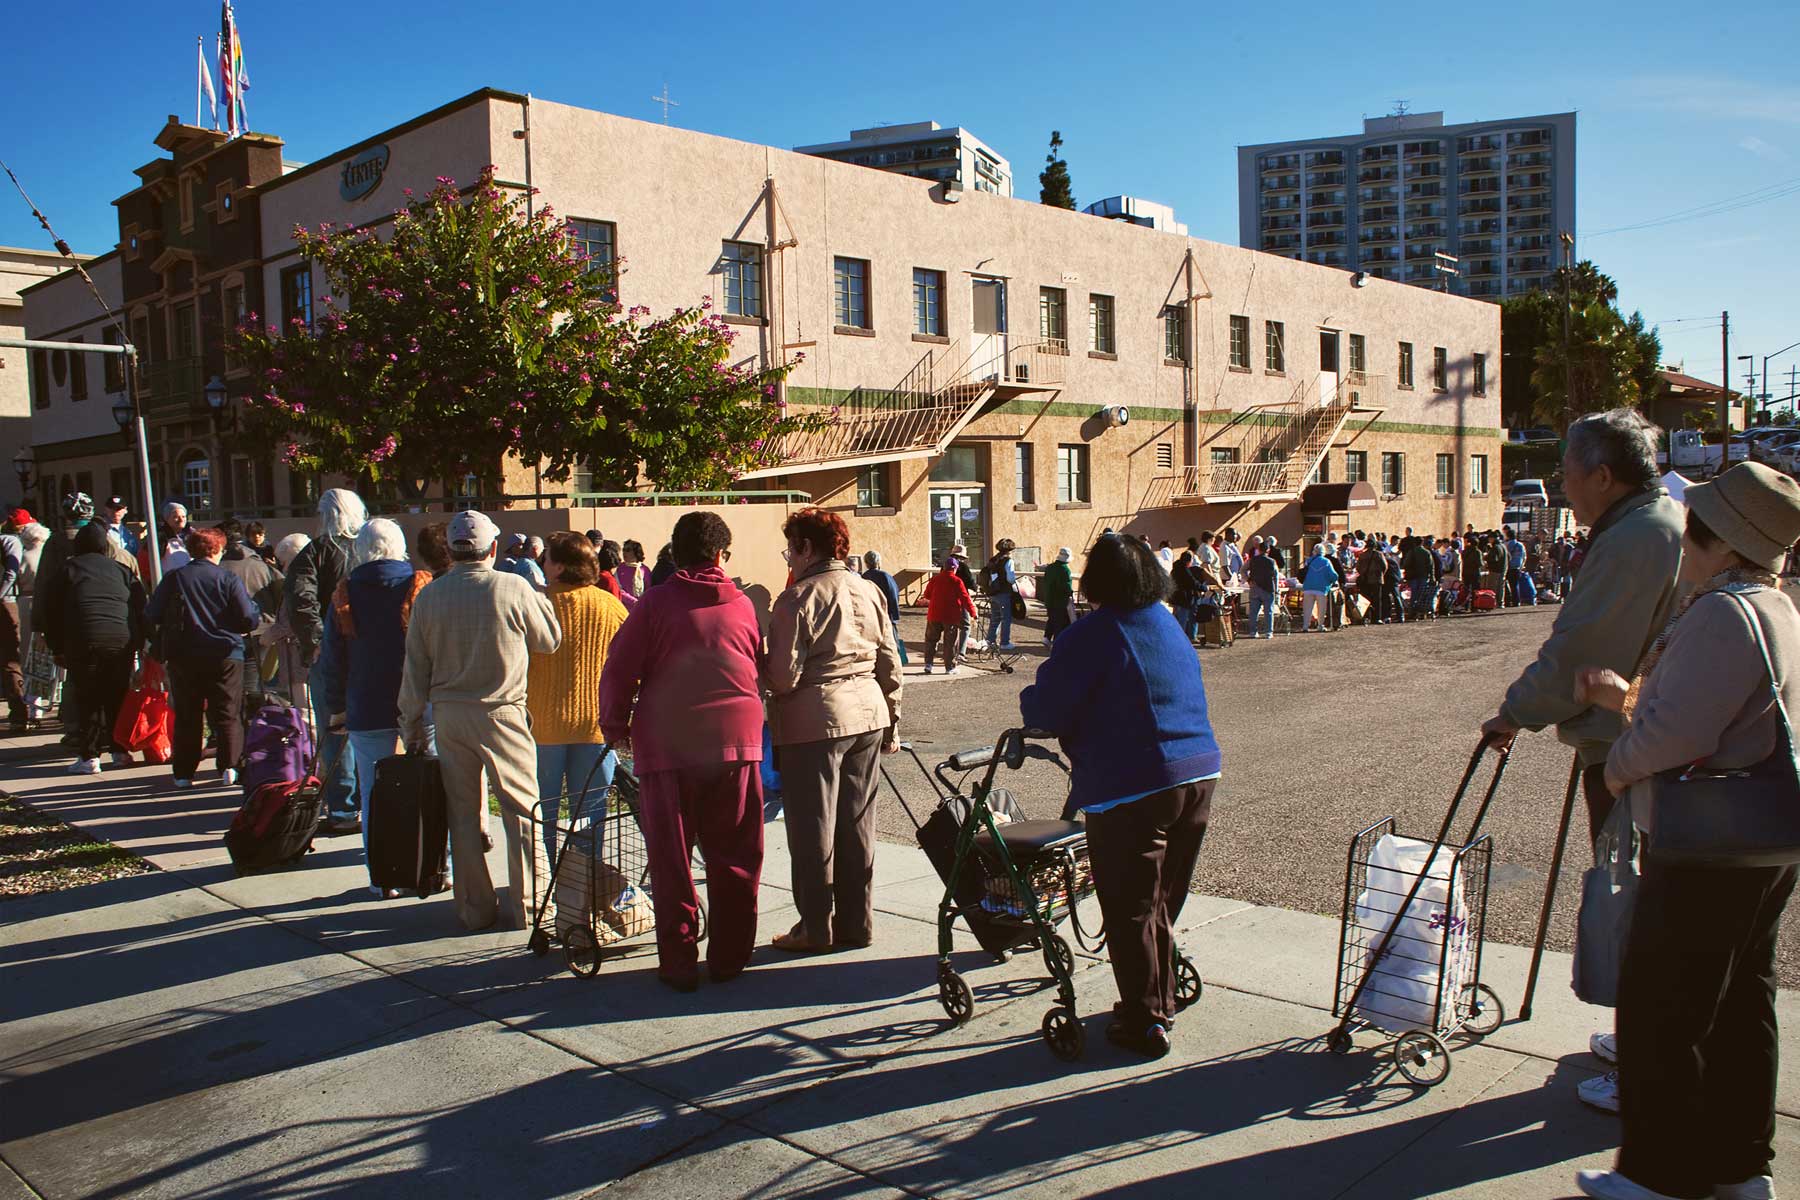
(1762, 645)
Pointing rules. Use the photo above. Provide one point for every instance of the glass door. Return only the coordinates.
(958, 515)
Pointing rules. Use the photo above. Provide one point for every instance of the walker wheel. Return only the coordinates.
(1188, 986)
(1486, 1012)
(1059, 958)
(1339, 1041)
(582, 951)
(1422, 1057)
(955, 996)
(1064, 1034)
(540, 942)
(1007, 668)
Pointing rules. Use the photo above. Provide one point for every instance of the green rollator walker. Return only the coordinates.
(1012, 881)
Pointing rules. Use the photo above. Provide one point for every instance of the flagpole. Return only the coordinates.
(200, 51)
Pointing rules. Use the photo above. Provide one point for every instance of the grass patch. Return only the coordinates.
(41, 854)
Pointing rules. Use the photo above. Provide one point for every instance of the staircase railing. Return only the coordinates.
(1286, 458)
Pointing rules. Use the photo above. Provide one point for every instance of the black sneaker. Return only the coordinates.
(1152, 1042)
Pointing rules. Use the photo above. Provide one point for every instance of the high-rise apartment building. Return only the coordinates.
(1494, 195)
(926, 150)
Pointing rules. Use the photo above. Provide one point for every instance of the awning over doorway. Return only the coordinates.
(1337, 497)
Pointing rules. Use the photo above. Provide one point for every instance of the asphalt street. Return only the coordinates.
(1323, 735)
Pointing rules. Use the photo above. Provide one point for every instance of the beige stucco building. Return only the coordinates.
(20, 268)
(1000, 368)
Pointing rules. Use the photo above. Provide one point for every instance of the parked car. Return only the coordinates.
(1766, 449)
(1525, 492)
(1537, 433)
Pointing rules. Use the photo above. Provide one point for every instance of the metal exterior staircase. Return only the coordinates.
(921, 415)
(1281, 460)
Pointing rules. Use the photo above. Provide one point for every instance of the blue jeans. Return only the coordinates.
(1000, 627)
(368, 747)
(1262, 613)
(335, 771)
(898, 644)
(563, 771)
(1185, 616)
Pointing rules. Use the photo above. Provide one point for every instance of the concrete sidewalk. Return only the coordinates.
(187, 1033)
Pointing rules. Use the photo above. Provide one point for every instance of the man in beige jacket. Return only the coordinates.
(467, 650)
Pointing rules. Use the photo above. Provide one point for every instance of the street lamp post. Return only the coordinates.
(1750, 396)
(1765, 375)
(22, 463)
(216, 395)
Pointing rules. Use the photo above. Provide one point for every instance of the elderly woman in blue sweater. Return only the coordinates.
(1122, 691)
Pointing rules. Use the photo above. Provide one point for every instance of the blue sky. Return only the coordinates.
(1680, 105)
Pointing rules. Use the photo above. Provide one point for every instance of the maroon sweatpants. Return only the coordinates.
(719, 806)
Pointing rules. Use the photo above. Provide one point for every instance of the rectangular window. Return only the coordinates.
(1100, 325)
(1053, 314)
(928, 302)
(1165, 456)
(850, 292)
(140, 338)
(872, 487)
(77, 373)
(1359, 354)
(1446, 474)
(296, 296)
(234, 306)
(1223, 456)
(596, 241)
(40, 378)
(1478, 477)
(1356, 466)
(183, 336)
(1440, 369)
(1024, 486)
(1406, 364)
(1240, 342)
(112, 366)
(1479, 365)
(1274, 349)
(1072, 474)
(741, 264)
(1175, 333)
(1393, 473)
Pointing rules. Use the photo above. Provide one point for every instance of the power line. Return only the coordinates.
(1762, 195)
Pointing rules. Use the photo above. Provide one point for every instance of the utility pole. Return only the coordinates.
(1569, 411)
(1724, 383)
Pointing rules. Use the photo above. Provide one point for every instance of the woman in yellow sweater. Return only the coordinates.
(563, 688)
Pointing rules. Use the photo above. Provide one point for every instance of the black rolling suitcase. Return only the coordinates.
(409, 825)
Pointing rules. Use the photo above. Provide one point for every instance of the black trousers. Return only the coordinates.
(99, 679)
(213, 688)
(12, 668)
(1599, 800)
(1696, 1022)
(1144, 855)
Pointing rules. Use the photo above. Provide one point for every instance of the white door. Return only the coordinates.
(987, 343)
(1328, 365)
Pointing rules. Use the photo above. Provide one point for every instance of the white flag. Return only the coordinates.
(204, 86)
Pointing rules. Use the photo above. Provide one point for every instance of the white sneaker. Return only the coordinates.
(927, 670)
(1605, 1047)
(1610, 1185)
(1601, 1092)
(229, 777)
(1760, 1188)
(184, 783)
(85, 766)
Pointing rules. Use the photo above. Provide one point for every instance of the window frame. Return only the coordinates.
(1053, 314)
(1175, 334)
(1357, 354)
(851, 286)
(1356, 466)
(579, 229)
(296, 293)
(112, 366)
(1446, 475)
(1478, 475)
(38, 366)
(1274, 347)
(874, 487)
(741, 286)
(1393, 473)
(1403, 370)
(1478, 373)
(1440, 369)
(929, 286)
(78, 381)
(1073, 478)
(1024, 475)
(1239, 343)
(1103, 333)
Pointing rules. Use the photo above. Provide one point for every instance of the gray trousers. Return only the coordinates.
(828, 793)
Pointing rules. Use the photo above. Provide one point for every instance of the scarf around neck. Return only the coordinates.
(1736, 579)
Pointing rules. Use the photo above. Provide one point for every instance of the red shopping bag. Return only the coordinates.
(146, 722)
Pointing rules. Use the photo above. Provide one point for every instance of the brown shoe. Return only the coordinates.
(795, 941)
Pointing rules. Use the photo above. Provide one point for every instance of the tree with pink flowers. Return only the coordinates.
(474, 330)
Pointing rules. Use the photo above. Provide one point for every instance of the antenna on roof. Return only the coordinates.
(1400, 108)
(666, 102)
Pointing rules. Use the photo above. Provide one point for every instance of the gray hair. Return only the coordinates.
(289, 548)
(380, 540)
(341, 513)
(872, 559)
(171, 507)
(1622, 439)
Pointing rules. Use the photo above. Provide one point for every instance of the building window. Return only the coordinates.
(59, 367)
(741, 263)
(1165, 456)
(1359, 354)
(183, 337)
(1072, 474)
(77, 373)
(140, 339)
(1406, 364)
(1100, 325)
(596, 241)
(1223, 456)
(1479, 365)
(1440, 369)
(1393, 473)
(1446, 474)
(1053, 314)
(1024, 486)
(872, 487)
(296, 296)
(40, 378)
(235, 311)
(1240, 342)
(1175, 333)
(1478, 477)
(1322, 472)
(850, 292)
(928, 302)
(196, 483)
(1274, 350)
(1356, 466)
(112, 366)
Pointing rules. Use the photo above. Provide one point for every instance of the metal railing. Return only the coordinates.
(1283, 459)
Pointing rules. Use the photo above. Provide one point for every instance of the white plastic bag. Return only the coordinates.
(1414, 979)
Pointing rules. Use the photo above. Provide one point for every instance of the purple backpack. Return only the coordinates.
(278, 748)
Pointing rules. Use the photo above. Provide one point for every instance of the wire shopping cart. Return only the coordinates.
(1409, 947)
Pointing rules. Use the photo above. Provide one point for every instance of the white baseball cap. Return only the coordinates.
(471, 530)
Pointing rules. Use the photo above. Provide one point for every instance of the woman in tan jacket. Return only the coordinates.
(833, 678)
(1696, 1017)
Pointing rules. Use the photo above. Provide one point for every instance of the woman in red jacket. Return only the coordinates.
(947, 609)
